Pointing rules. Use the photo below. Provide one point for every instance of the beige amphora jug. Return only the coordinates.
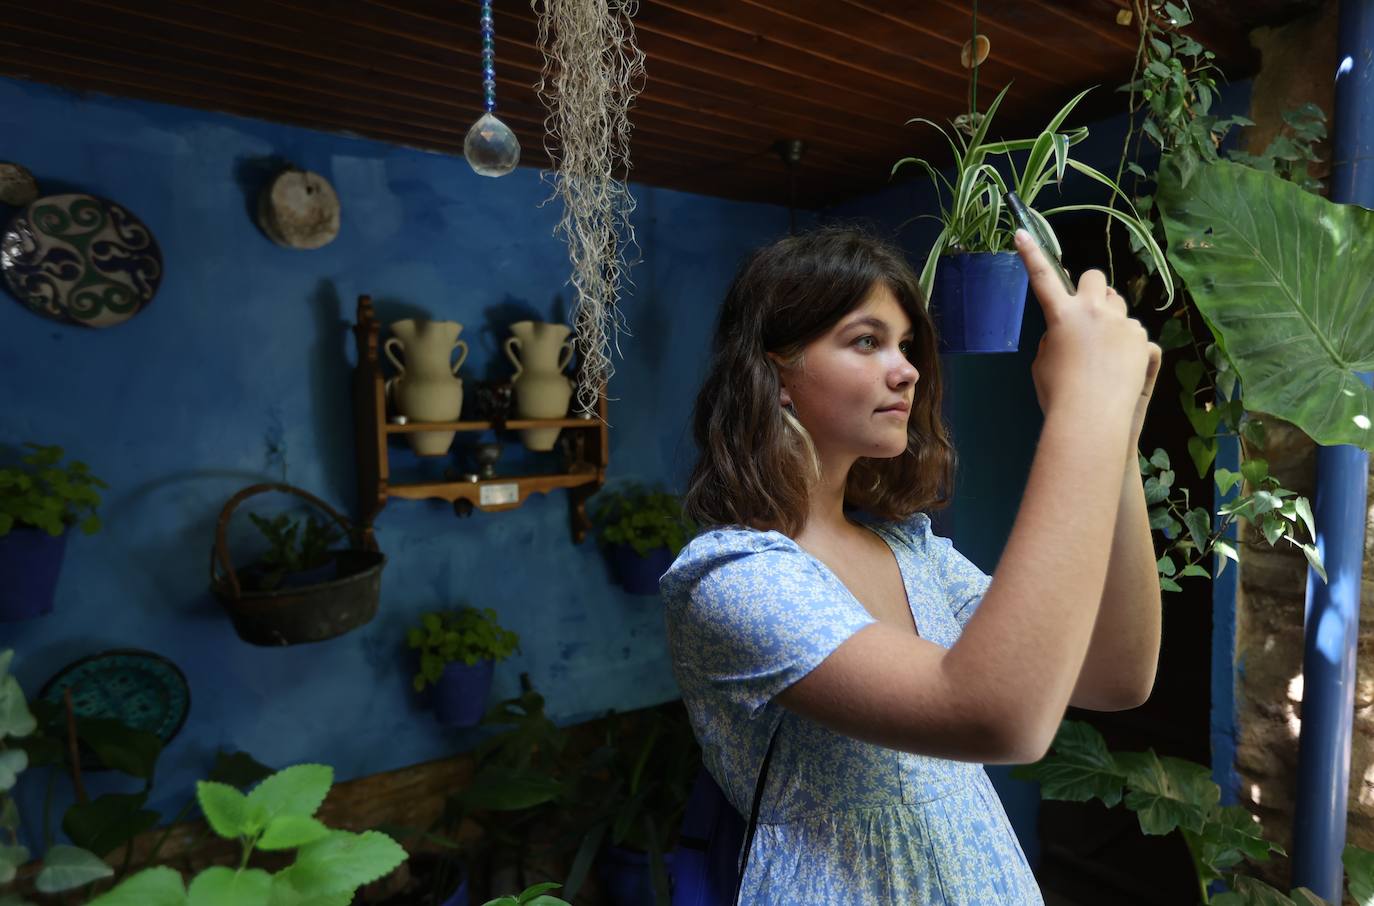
(427, 387)
(541, 388)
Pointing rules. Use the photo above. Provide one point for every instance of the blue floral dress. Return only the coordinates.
(842, 822)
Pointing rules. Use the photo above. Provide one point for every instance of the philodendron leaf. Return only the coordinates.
(1282, 278)
(1304, 897)
(1359, 871)
(297, 790)
(1250, 892)
(66, 867)
(238, 769)
(1078, 769)
(221, 886)
(15, 717)
(108, 822)
(12, 764)
(291, 831)
(11, 857)
(344, 861)
(161, 886)
(1166, 793)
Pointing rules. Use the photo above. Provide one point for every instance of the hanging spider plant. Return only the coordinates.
(976, 219)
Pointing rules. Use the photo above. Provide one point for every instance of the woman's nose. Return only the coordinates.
(905, 373)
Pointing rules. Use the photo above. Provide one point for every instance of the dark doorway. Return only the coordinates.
(1091, 854)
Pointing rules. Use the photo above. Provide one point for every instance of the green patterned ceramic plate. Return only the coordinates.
(80, 259)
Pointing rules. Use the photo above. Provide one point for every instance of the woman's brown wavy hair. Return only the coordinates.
(755, 460)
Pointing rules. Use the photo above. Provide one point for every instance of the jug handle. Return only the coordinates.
(566, 355)
(386, 347)
(462, 357)
(513, 343)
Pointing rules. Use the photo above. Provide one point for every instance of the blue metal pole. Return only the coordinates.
(1332, 620)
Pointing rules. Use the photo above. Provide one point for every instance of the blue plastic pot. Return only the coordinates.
(460, 696)
(460, 895)
(30, 560)
(978, 300)
(639, 575)
(626, 876)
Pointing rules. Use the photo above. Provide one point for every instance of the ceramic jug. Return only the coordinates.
(541, 388)
(426, 388)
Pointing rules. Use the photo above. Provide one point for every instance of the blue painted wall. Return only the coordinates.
(239, 370)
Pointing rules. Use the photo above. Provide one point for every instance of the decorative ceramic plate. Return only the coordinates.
(80, 259)
(299, 210)
(138, 688)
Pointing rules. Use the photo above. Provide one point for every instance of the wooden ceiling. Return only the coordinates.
(726, 79)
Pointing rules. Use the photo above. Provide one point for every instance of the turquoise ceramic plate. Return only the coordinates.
(138, 688)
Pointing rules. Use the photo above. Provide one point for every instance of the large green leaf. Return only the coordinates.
(66, 867)
(108, 822)
(1285, 280)
(297, 790)
(159, 886)
(1166, 793)
(221, 886)
(1080, 767)
(343, 862)
(1359, 868)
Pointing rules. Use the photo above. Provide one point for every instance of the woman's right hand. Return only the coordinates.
(1092, 354)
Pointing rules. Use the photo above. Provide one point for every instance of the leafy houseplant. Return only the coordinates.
(39, 500)
(1169, 794)
(277, 815)
(642, 531)
(64, 867)
(458, 653)
(297, 562)
(534, 895)
(973, 249)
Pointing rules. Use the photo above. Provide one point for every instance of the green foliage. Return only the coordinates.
(277, 814)
(1298, 336)
(1172, 794)
(288, 555)
(467, 634)
(64, 867)
(1203, 208)
(976, 220)
(535, 895)
(46, 494)
(644, 519)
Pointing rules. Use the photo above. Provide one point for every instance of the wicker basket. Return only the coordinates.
(292, 616)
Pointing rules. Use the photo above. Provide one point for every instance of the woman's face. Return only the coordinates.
(854, 386)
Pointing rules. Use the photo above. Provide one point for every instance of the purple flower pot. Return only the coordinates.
(639, 575)
(460, 696)
(30, 560)
(978, 300)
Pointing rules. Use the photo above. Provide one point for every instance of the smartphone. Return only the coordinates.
(1026, 222)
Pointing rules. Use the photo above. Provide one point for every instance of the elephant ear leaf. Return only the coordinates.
(1285, 279)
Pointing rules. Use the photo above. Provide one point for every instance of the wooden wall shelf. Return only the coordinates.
(584, 476)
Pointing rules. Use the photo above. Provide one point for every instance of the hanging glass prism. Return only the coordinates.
(491, 148)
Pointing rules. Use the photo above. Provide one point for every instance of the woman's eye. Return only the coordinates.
(866, 342)
(905, 348)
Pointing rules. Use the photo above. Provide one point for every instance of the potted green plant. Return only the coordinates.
(642, 530)
(458, 654)
(972, 277)
(40, 499)
(298, 554)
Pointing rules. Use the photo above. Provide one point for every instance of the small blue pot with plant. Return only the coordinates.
(973, 280)
(642, 531)
(458, 654)
(40, 499)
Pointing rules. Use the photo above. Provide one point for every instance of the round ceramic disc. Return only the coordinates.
(138, 688)
(80, 259)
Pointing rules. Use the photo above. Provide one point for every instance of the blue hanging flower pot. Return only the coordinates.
(30, 561)
(639, 575)
(460, 696)
(978, 300)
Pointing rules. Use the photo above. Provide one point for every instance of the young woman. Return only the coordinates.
(818, 604)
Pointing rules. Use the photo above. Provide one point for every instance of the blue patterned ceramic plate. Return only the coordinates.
(138, 688)
(80, 259)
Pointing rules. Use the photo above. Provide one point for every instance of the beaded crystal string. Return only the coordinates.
(491, 148)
